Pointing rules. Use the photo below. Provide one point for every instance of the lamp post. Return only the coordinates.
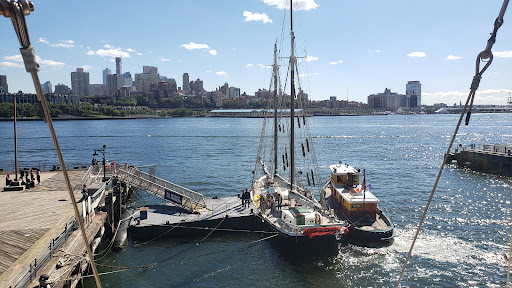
(102, 151)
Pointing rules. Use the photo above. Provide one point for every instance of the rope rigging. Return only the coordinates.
(482, 56)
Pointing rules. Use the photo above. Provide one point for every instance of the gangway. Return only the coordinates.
(181, 196)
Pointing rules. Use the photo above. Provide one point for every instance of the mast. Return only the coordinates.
(275, 109)
(292, 100)
(15, 142)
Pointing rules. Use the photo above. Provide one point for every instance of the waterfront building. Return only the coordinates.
(61, 89)
(262, 94)
(47, 87)
(413, 93)
(80, 82)
(198, 87)
(186, 83)
(4, 88)
(106, 72)
(144, 80)
(32, 98)
(387, 101)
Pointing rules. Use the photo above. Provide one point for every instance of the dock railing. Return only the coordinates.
(166, 190)
(495, 148)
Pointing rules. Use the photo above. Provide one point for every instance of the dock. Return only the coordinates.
(222, 215)
(36, 223)
(493, 159)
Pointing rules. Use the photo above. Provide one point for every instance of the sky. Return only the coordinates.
(348, 49)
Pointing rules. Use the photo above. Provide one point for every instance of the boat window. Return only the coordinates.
(339, 179)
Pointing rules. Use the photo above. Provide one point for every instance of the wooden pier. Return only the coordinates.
(34, 221)
(493, 159)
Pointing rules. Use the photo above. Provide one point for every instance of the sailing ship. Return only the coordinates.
(287, 205)
(354, 202)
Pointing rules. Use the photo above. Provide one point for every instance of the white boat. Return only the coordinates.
(287, 204)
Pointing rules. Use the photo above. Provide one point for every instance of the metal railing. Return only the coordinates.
(498, 148)
(191, 199)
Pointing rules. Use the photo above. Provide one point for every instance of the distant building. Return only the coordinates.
(149, 69)
(262, 94)
(186, 83)
(198, 87)
(217, 98)
(47, 87)
(112, 85)
(97, 90)
(4, 88)
(387, 101)
(413, 93)
(127, 79)
(80, 82)
(233, 93)
(106, 72)
(61, 89)
(118, 66)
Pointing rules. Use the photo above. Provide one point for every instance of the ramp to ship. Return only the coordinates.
(180, 196)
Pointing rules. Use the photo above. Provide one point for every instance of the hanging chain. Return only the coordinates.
(16, 10)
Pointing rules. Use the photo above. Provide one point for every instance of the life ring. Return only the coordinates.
(318, 220)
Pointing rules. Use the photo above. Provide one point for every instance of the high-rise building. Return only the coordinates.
(4, 88)
(80, 82)
(387, 100)
(186, 83)
(149, 69)
(413, 93)
(112, 85)
(47, 87)
(198, 87)
(118, 66)
(127, 79)
(106, 72)
(233, 93)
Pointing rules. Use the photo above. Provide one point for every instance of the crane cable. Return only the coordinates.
(484, 56)
(16, 10)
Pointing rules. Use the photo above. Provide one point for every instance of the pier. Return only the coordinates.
(494, 159)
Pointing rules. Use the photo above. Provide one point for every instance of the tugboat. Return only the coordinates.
(357, 204)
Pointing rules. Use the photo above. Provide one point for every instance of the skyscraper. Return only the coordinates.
(413, 93)
(4, 88)
(80, 82)
(186, 83)
(118, 66)
(47, 87)
(106, 72)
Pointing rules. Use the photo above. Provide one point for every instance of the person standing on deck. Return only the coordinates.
(38, 174)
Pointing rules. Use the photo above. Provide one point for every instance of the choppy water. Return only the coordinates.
(463, 243)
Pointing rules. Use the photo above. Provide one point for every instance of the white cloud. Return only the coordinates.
(130, 50)
(221, 73)
(452, 57)
(140, 54)
(163, 59)
(192, 46)
(87, 67)
(16, 58)
(112, 52)
(213, 52)
(310, 58)
(249, 65)
(50, 63)
(417, 54)
(249, 16)
(336, 62)
(297, 4)
(263, 66)
(377, 50)
(107, 46)
(11, 65)
(502, 54)
(62, 44)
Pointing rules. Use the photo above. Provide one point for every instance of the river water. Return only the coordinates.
(463, 243)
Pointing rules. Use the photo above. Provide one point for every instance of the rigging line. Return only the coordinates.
(31, 66)
(509, 255)
(485, 54)
(212, 230)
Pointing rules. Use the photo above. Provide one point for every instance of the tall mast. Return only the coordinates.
(275, 108)
(292, 101)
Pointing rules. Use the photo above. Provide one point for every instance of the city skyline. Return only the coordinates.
(353, 49)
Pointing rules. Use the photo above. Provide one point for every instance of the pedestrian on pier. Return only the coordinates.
(32, 176)
(279, 201)
(7, 180)
(84, 193)
(38, 175)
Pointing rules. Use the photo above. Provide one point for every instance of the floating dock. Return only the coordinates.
(492, 159)
(223, 214)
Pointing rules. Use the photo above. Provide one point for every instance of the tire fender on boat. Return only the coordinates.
(318, 219)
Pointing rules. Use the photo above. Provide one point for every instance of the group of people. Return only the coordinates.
(25, 178)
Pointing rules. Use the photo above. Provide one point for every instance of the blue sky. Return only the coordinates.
(353, 48)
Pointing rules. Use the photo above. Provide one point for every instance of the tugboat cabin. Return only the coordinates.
(351, 198)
